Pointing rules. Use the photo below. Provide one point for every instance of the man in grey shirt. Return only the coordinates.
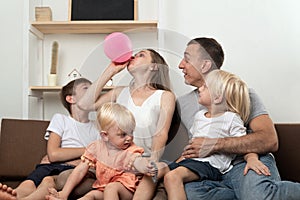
(201, 56)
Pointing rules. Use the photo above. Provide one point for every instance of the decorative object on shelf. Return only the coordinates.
(52, 77)
(43, 14)
(118, 47)
(102, 10)
(74, 74)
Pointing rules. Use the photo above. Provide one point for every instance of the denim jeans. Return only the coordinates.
(235, 185)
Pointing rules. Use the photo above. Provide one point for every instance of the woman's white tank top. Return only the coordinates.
(146, 117)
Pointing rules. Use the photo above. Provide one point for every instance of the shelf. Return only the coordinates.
(45, 88)
(56, 88)
(38, 91)
(61, 27)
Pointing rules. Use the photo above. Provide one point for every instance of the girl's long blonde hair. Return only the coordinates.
(233, 90)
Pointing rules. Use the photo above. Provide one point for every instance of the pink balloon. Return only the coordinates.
(118, 47)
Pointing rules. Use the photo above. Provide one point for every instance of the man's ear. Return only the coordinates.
(70, 99)
(104, 136)
(206, 67)
(218, 99)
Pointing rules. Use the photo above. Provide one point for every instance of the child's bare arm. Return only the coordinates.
(75, 178)
(255, 164)
(58, 154)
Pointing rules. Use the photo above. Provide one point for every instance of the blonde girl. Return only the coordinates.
(226, 98)
(112, 157)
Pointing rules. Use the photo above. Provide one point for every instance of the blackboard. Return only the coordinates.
(102, 9)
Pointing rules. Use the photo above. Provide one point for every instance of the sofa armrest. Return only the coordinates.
(21, 145)
(287, 157)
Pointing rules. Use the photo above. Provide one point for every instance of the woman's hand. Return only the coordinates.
(117, 67)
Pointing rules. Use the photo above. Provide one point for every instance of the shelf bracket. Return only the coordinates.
(37, 94)
(36, 32)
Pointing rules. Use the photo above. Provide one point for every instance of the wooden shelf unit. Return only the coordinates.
(45, 88)
(57, 88)
(38, 91)
(81, 27)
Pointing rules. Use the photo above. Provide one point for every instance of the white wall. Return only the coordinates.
(80, 51)
(261, 42)
(260, 39)
(11, 58)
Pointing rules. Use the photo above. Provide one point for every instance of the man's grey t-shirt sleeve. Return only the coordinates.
(257, 106)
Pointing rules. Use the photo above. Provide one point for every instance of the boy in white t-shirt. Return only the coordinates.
(67, 138)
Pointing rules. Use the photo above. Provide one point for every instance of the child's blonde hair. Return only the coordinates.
(113, 113)
(232, 89)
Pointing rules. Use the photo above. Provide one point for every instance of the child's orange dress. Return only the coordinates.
(112, 168)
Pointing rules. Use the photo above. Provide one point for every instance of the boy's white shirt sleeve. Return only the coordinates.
(55, 126)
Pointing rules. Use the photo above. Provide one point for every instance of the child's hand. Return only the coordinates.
(257, 166)
(90, 163)
(45, 160)
(151, 169)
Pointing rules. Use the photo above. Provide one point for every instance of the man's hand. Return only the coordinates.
(200, 147)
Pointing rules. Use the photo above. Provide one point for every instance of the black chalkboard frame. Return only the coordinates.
(80, 10)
